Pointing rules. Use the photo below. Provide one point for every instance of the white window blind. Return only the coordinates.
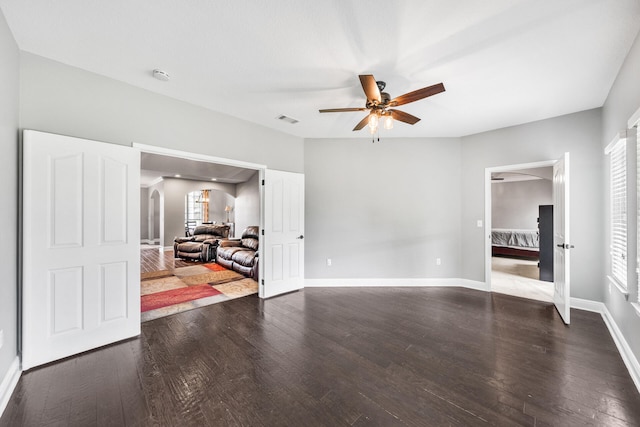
(618, 190)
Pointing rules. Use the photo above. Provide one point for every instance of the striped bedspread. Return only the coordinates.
(515, 238)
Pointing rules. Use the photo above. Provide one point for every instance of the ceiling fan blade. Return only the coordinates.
(340, 110)
(417, 94)
(362, 123)
(370, 87)
(404, 117)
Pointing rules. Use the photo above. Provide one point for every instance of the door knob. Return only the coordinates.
(565, 246)
(300, 237)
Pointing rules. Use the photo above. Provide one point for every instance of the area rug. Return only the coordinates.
(168, 292)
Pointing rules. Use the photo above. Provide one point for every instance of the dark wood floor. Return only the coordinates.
(339, 357)
(152, 259)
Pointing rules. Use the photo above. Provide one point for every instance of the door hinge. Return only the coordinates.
(262, 232)
(262, 281)
(263, 182)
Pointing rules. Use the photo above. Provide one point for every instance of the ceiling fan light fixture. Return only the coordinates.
(373, 122)
(388, 122)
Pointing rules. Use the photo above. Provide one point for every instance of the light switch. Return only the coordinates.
(479, 223)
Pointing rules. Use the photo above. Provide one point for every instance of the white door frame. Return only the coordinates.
(152, 149)
(487, 207)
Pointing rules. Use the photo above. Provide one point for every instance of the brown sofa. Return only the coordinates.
(241, 255)
(202, 245)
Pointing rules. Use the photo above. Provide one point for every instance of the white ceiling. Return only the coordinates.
(503, 62)
(154, 166)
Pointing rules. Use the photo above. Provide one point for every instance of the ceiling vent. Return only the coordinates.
(287, 119)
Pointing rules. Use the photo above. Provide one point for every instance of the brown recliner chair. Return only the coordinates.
(202, 245)
(241, 255)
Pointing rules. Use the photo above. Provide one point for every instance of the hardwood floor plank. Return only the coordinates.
(351, 357)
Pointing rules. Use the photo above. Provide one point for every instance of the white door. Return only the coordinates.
(282, 263)
(81, 259)
(561, 238)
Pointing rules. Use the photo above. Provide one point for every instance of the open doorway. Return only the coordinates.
(521, 231)
(190, 207)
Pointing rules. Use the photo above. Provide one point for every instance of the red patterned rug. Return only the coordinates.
(167, 292)
(176, 296)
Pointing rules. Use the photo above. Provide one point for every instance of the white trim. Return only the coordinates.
(152, 183)
(634, 120)
(587, 305)
(629, 359)
(627, 355)
(616, 139)
(619, 287)
(9, 383)
(519, 166)
(195, 156)
(636, 307)
(474, 284)
(398, 282)
(149, 241)
(488, 225)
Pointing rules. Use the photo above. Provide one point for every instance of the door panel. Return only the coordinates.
(283, 240)
(81, 265)
(561, 238)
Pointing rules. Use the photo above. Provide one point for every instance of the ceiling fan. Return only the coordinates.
(380, 105)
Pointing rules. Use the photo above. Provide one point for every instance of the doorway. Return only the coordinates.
(519, 219)
(202, 203)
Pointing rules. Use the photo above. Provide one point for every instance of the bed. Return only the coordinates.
(515, 243)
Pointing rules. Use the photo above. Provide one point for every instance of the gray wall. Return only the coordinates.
(515, 204)
(61, 99)
(9, 100)
(218, 200)
(578, 134)
(144, 213)
(154, 229)
(382, 210)
(623, 101)
(247, 211)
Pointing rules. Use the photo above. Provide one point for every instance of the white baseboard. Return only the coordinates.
(401, 282)
(587, 305)
(627, 355)
(629, 359)
(9, 383)
(474, 284)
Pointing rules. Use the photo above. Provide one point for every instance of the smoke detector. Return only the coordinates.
(161, 75)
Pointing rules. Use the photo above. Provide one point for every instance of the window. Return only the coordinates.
(617, 151)
(192, 208)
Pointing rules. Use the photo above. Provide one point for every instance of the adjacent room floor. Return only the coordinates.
(170, 286)
(519, 277)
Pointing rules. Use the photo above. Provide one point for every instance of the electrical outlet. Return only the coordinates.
(438, 261)
(479, 223)
(328, 262)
